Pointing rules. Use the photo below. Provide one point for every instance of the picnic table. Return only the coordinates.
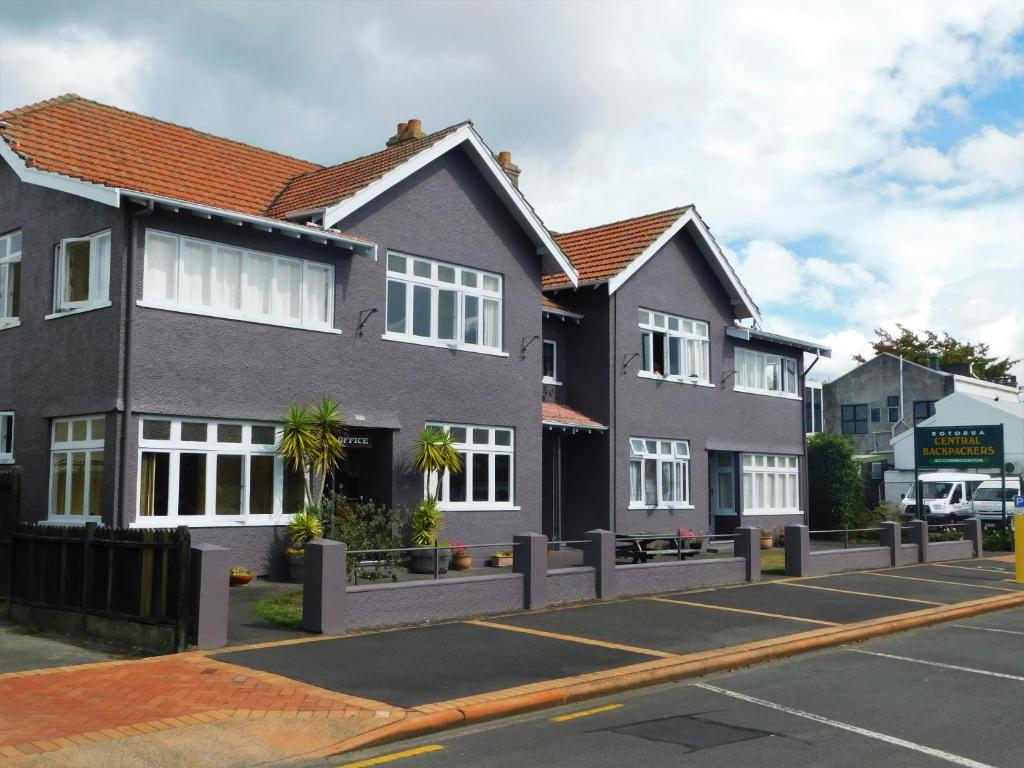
(640, 547)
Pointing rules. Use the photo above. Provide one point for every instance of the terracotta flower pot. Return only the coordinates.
(766, 542)
(241, 579)
(461, 562)
(501, 561)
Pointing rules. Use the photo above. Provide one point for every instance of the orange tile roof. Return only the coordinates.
(601, 252)
(559, 414)
(550, 305)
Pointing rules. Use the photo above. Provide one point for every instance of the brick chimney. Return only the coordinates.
(406, 131)
(510, 168)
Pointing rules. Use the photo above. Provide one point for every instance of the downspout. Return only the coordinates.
(128, 300)
(806, 484)
(614, 437)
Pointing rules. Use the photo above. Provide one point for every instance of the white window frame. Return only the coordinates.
(6, 436)
(751, 363)
(243, 313)
(9, 257)
(468, 449)
(770, 475)
(554, 363)
(691, 335)
(90, 446)
(211, 449)
(662, 452)
(99, 275)
(410, 280)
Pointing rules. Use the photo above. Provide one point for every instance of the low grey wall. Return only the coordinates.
(652, 578)
(834, 560)
(382, 605)
(149, 637)
(950, 550)
(908, 554)
(571, 585)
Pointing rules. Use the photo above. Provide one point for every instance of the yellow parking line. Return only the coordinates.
(744, 610)
(394, 756)
(969, 568)
(940, 581)
(862, 594)
(571, 638)
(586, 713)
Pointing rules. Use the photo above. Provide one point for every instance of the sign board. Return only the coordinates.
(356, 441)
(976, 446)
(1018, 502)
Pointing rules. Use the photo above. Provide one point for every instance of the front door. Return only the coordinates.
(723, 489)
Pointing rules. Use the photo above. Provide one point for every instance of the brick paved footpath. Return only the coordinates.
(50, 709)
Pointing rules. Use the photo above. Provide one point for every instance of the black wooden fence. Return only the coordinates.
(126, 574)
(10, 508)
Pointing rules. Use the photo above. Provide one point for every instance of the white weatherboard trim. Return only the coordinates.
(884, 737)
(98, 192)
(708, 245)
(484, 160)
(954, 667)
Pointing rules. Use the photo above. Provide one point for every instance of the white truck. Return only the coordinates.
(947, 496)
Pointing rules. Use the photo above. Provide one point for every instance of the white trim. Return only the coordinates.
(470, 450)
(552, 380)
(575, 427)
(706, 244)
(453, 346)
(79, 310)
(661, 507)
(228, 316)
(674, 379)
(5, 324)
(766, 393)
(483, 159)
(99, 192)
(767, 512)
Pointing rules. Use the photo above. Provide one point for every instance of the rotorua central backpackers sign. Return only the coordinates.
(965, 446)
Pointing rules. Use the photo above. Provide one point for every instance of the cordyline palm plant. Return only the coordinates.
(435, 455)
(311, 443)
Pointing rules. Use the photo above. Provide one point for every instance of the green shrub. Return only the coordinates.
(997, 541)
(834, 483)
(305, 527)
(364, 526)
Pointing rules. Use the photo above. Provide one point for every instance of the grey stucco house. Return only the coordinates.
(175, 291)
(661, 410)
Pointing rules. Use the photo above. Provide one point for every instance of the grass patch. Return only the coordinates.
(773, 561)
(283, 610)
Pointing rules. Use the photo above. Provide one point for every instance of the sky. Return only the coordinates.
(861, 163)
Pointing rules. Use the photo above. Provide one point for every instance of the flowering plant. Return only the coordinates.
(458, 548)
(686, 533)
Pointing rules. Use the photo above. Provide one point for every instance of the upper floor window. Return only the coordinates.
(551, 362)
(923, 409)
(192, 275)
(765, 373)
(10, 278)
(855, 419)
(486, 479)
(813, 411)
(76, 467)
(82, 273)
(429, 302)
(892, 403)
(876, 415)
(673, 347)
(659, 473)
(6, 437)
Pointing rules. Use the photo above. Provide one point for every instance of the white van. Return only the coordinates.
(947, 495)
(987, 503)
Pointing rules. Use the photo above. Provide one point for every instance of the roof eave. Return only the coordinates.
(745, 334)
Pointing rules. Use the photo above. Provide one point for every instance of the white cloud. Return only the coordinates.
(994, 156)
(924, 163)
(772, 270)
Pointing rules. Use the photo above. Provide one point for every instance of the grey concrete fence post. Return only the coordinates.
(798, 550)
(530, 558)
(599, 554)
(211, 580)
(748, 546)
(323, 586)
(892, 537)
(919, 536)
(972, 532)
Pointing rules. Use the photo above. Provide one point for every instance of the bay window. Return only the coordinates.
(6, 437)
(438, 304)
(659, 473)
(201, 277)
(674, 348)
(765, 374)
(10, 278)
(76, 468)
(771, 484)
(486, 480)
(199, 472)
(82, 273)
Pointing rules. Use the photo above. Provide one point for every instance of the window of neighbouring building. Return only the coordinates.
(764, 373)
(892, 404)
(6, 437)
(430, 302)
(82, 273)
(675, 348)
(10, 278)
(487, 479)
(813, 410)
(876, 415)
(551, 362)
(855, 419)
(197, 276)
(923, 409)
(76, 468)
(659, 473)
(201, 472)
(770, 484)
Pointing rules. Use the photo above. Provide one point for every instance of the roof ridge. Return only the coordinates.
(380, 151)
(680, 209)
(28, 109)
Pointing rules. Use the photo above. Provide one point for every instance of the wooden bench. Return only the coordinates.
(640, 548)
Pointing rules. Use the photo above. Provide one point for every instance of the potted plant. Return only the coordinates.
(461, 559)
(424, 527)
(435, 455)
(501, 559)
(690, 540)
(304, 528)
(240, 576)
(767, 537)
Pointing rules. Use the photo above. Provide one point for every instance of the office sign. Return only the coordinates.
(964, 446)
(356, 441)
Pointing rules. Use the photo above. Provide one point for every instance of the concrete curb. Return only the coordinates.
(674, 668)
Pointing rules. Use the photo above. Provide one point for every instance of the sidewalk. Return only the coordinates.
(283, 700)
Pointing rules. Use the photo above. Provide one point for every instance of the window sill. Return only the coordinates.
(6, 459)
(203, 521)
(10, 323)
(478, 507)
(662, 507)
(72, 520)
(453, 346)
(238, 318)
(766, 393)
(552, 382)
(770, 512)
(674, 379)
(78, 310)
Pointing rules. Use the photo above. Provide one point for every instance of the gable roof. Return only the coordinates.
(612, 253)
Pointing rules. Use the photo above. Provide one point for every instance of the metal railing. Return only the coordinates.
(681, 543)
(439, 554)
(845, 533)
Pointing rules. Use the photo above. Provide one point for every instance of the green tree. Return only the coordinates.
(919, 347)
(311, 443)
(834, 482)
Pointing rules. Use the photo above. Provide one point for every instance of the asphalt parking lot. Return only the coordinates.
(944, 695)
